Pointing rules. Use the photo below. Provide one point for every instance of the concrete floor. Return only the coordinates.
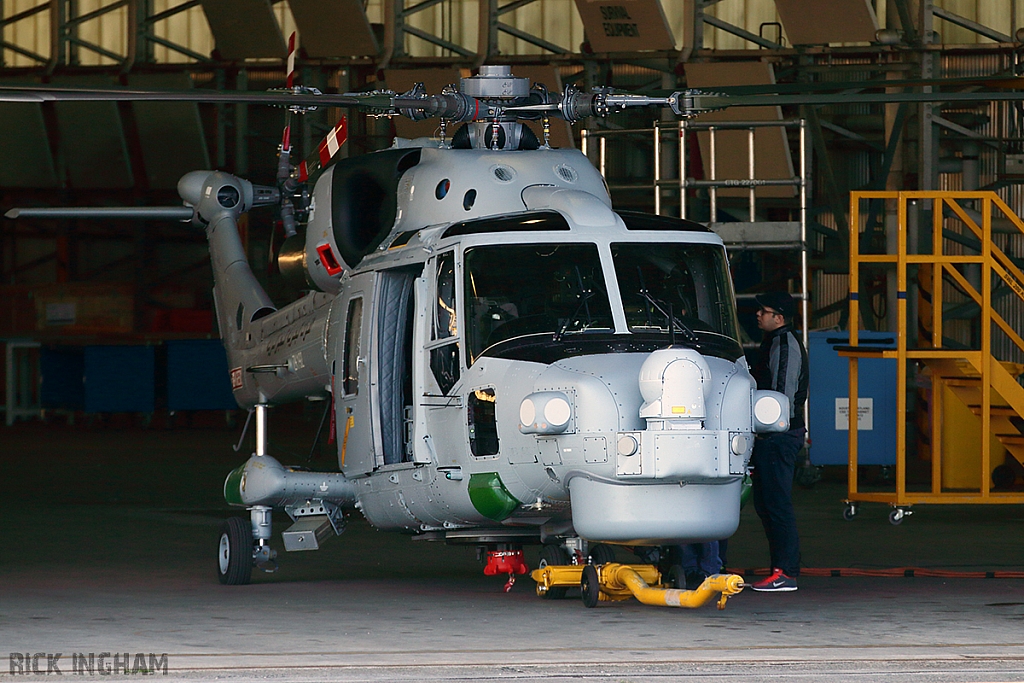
(108, 546)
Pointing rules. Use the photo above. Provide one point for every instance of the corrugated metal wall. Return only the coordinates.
(188, 29)
(553, 20)
(32, 34)
(999, 124)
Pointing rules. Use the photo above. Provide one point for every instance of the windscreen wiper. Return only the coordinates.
(585, 296)
(672, 321)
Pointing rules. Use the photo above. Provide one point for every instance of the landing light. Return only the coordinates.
(557, 411)
(527, 412)
(545, 412)
(771, 411)
(767, 409)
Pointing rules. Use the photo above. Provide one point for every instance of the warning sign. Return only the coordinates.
(625, 25)
(865, 414)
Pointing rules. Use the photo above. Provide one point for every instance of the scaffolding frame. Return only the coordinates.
(770, 237)
(21, 391)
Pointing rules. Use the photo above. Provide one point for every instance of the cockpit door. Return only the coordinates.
(354, 417)
(441, 365)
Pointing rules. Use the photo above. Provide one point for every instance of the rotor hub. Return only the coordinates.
(495, 83)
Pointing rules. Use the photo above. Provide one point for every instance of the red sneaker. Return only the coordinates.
(778, 582)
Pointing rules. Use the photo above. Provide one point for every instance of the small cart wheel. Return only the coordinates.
(590, 587)
(554, 555)
(896, 517)
(850, 512)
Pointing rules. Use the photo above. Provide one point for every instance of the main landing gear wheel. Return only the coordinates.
(590, 587)
(602, 554)
(675, 577)
(234, 552)
(556, 556)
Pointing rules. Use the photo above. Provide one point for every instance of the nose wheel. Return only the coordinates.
(234, 552)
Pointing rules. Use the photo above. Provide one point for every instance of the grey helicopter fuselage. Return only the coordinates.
(495, 341)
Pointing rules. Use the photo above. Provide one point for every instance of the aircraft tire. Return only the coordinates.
(590, 587)
(234, 552)
(675, 577)
(554, 555)
(602, 554)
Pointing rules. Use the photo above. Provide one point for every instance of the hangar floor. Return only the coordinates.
(108, 546)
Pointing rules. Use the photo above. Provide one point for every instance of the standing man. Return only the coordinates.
(782, 367)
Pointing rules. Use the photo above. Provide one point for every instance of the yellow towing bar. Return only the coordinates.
(613, 581)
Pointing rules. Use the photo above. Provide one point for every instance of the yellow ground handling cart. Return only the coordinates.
(613, 581)
(960, 298)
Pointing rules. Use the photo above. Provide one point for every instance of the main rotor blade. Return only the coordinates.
(711, 101)
(43, 93)
(154, 213)
(1007, 81)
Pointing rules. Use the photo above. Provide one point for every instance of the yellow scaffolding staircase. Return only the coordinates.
(973, 378)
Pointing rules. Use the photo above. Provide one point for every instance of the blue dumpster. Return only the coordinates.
(197, 376)
(120, 379)
(829, 400)
(61, 371)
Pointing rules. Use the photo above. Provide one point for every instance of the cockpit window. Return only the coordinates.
(514, 291)
(445, 320)
(689, 281)
(645, 221)
(534, 221)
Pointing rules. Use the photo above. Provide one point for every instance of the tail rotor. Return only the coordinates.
(290, 180)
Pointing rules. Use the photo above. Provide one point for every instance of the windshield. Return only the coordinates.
(528, 289)
(690, 281)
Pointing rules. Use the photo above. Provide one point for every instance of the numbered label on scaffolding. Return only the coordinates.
(865, 414)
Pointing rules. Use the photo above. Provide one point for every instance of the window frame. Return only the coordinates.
(350, 361)
(431, 343)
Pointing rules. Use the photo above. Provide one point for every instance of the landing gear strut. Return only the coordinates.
(243, 543)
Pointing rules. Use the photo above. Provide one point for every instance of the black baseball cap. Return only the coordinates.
(781, 302)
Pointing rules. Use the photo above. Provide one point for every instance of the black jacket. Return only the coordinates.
(782, 366)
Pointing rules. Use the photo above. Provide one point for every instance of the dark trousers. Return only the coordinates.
(773, 461)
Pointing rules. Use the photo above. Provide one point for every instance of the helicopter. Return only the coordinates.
(508, 359)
